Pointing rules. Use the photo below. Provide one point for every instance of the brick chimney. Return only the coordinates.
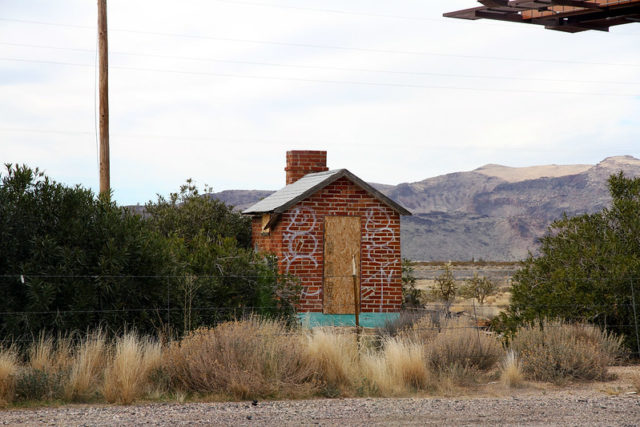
(302, 162)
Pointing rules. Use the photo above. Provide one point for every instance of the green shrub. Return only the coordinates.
(410, 294)
(478, 287)
(36, 384)
(446, 287)
(71, 261)
(587, 268)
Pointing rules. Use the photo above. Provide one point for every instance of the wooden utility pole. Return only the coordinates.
(103, 54)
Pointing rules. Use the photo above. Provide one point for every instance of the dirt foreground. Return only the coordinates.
(531, 410)
(596, 404)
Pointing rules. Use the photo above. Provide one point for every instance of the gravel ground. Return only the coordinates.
(555, 409)
(611, 403)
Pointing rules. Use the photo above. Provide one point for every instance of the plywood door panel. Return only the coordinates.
(341, 244)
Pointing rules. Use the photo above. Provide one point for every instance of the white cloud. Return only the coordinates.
(212, 121)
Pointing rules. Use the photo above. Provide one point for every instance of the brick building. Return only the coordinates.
(324, 225)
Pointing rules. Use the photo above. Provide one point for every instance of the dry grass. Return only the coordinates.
(41, 353)
(87, 366)
(335, 355)
(49, 355)
(128, 370)
(259, 358)
(243, 359)
(511, 371)
(398, 369)
(9, 369)
(559, 351)
(461, 346)
(635, 381)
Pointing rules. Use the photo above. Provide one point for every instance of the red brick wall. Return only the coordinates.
(271, 242)
(302, 162)
(297, 240)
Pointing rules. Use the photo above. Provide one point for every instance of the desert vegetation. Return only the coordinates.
(260, 357)
(588, 270)
(73, 261)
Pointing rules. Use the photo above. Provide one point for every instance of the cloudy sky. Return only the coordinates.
(219, 90)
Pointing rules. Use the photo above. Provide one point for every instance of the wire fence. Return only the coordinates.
(183, 310)
(431, 318)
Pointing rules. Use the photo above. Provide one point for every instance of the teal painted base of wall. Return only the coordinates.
(367, 320)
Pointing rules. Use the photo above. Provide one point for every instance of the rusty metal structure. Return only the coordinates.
(570, 16)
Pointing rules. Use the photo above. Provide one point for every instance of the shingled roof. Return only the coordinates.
(311, 183)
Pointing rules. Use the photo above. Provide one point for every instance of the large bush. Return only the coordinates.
(246, 359)
(556, 351)
(74, 261)
(220, 276)
(588, 268)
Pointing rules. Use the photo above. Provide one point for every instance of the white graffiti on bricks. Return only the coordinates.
(300, 242)
(378, 234)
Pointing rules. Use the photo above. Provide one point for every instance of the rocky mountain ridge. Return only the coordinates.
(493, 212)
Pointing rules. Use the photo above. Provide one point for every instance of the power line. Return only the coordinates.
(332, 11)
(336, 82)
(196, 138)
(62, 132)
(329, 68)
(261, 141)
(332, 47)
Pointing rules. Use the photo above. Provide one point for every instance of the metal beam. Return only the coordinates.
(464, 13)
(576, 3)
(500, 16)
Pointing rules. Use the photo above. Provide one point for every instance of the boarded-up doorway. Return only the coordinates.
(341, 244)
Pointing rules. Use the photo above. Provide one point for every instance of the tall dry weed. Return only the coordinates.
(244, 359)
(50, 355)
(398, 369)
(86, 367)
(9, 369)
(335, 354)
(510, 370)
(128, 370)
(41, 353)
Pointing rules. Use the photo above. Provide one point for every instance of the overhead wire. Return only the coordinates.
(332, 47)
(331, 11)
(338, 82)
(322, 67)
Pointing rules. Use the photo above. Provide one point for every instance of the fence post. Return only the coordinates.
(635, 316)
(476, 321)
(168, 308)
(356, 300)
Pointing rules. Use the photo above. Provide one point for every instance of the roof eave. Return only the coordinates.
(377, 194)
(331, 179)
